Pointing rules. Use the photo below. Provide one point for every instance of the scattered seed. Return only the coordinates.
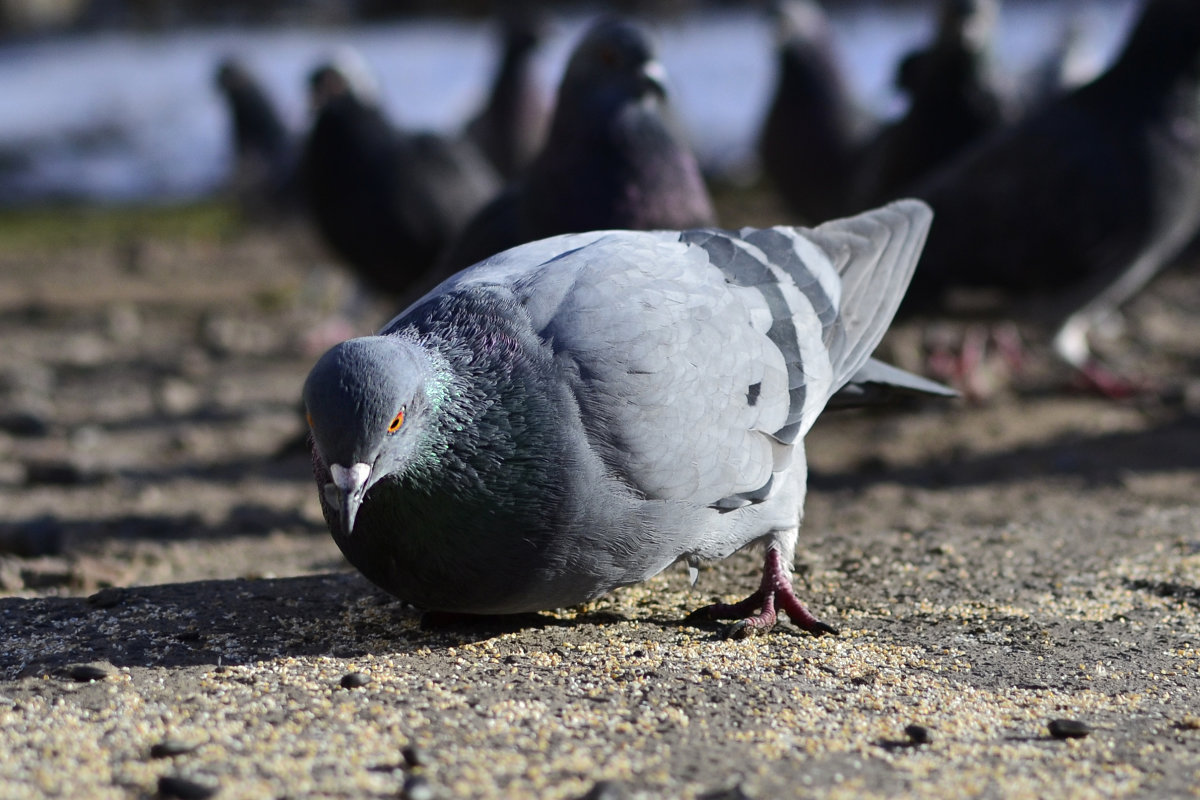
(183, 789)
(918, 734)
(1068, 729)
(417, 788)
(87, 672)
(355, 680)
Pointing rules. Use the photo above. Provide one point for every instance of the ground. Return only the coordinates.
(992, 565)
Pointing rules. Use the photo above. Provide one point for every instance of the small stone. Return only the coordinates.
(735, 792)
(59, 473)
(1068, 729)
(25, 424)
(417, 788)
(918, 734)
(606, 790)
(170, 747)
(87, 672)
(107, 597)
(414, 756)
(355, 680)
(184, 789)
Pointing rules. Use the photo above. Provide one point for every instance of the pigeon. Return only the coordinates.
(614, 156)
(581, 412)
(265, 150)
(810, 136)
(952, 104)
(387, 201)
(1084, 201)
(509, 129)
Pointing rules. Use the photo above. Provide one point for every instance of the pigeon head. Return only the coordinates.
(613, 64)
(345, 74)
(368, 403)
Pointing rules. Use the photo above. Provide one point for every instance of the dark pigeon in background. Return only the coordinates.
(952, 104)
(387, 201)
(265, 151)
(510, 128)
(579, 413)
(810, 136)
(1084, 200)
(615, 157)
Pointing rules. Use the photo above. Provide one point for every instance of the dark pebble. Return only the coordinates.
(918, 734)
(606, 790)
(40, 536)
(414, 756)
(87, 672)
(24, 423)
(417, 788)
(355, 680)
(59, 473)
(184, 789)
(107, 598)
(732, 793)
(1068, 729)
(170, 747)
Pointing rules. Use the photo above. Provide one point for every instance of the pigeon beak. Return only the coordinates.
(351, 483)
(654, 77)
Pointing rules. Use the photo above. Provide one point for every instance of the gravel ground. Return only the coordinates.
(176, 620)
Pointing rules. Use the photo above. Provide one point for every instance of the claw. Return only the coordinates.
(776, 588)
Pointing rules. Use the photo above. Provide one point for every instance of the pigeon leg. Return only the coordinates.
(776, 588)
(1100, 379)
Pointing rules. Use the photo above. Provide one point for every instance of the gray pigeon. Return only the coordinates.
(952, 105)
(1085, 200)
(812, 132)
(579, 413)
(510, 127)
(614, 157)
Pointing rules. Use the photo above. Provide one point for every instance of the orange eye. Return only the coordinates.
(396, 422)
(308, 417)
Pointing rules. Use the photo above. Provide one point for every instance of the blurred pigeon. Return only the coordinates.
(1085, 199)
(387, 201)
(952, 104)
(579, 413)
(808, 140)
(614, 156)
(265, 150)
(511, 126)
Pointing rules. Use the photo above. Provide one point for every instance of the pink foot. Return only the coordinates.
(961, 367)
(776, 588)
(1095, 377)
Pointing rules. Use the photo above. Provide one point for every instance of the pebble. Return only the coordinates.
(59, 473)
(107, 597)
(1068, 729)
(87, 672)
(417, 788)
(734, 792)
(414, 756)
(355, 680)
(918, 734)
(606, 790)
(183, 789)
(26, 424)
(170, 747)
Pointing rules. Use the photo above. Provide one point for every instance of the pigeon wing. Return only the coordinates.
(698, 359)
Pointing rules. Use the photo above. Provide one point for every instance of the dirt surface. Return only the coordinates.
(992, 566)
